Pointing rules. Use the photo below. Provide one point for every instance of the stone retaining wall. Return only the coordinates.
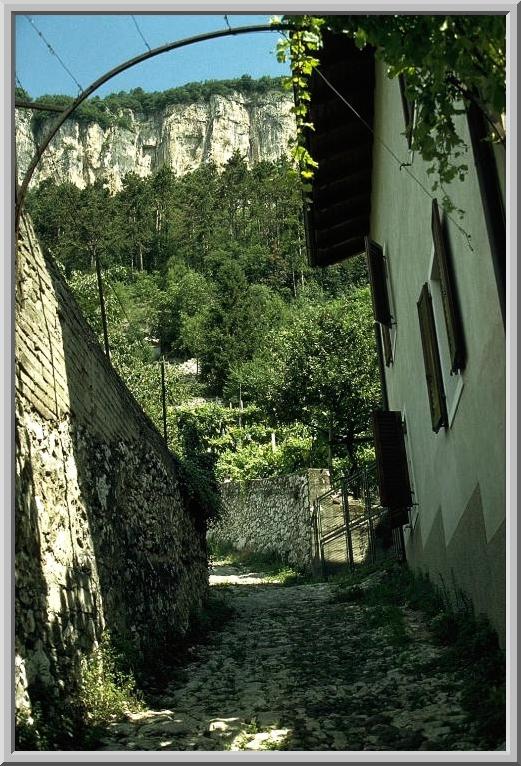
(272, 515)
(106, 535)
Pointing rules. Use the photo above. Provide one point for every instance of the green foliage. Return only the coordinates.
(243, 452)
(303, 373)
(272, 566)
(115, 109)
(250, 455)
(21, 93)
(106, 693)
(212, 265)
(33, 731)
(448, 61)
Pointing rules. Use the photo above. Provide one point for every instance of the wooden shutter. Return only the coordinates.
(379, 294)
(391, 460)
(449, 294)
(381, 369)
(431, 357)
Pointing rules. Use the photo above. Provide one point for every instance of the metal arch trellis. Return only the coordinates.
(22, 191)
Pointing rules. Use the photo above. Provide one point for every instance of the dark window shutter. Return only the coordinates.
(449, 294)
(391, 460)
(431, 357)
(381, 369)
(376, 269)
(408, 109)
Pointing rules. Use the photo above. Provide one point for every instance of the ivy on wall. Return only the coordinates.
(447, 61)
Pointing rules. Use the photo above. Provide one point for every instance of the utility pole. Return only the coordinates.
(240, 405)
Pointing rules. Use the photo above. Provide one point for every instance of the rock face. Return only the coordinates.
(181, 136)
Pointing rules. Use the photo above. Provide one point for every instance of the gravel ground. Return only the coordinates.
(294, 669)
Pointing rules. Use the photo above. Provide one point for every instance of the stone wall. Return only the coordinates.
(272, 515)
(106, 534)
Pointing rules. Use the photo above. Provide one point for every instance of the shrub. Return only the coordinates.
(105, 692)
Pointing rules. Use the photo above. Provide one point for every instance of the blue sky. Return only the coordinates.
(90, 45)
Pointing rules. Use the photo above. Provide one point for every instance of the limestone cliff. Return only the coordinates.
(181, 136)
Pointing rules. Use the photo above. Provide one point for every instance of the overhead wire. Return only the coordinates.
(140, 32)
(19, 83)
(54, 53)
(402, 165)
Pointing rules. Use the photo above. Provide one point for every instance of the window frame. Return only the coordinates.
(408, 108)
(452, 392)
(449, 292)
(382, 296)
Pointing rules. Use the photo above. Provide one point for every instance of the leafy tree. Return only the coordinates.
(213, 264)
(319, 368)
(137, 222)
(55, 210)
(185, 301)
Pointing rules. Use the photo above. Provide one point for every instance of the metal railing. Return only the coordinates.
(352, 526)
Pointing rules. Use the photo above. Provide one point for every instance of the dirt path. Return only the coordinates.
(294, 669)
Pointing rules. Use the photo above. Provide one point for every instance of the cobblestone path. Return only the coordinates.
(294, 669)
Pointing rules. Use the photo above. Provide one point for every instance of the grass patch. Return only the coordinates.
(271, 565)
(473, 650)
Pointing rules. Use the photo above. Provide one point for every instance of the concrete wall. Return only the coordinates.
(105, 536)
(272, 515)
(458, 526)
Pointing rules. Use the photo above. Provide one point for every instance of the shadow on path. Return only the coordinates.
(294, 669)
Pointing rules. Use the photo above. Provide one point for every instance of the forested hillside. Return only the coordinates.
(110, 110)
(213, 265)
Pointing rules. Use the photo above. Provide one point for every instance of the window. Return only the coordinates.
(381, 295)
(452, 382)
(444, 276)
(408, 109)
(378, 279)
(431, 358)
(410, 466)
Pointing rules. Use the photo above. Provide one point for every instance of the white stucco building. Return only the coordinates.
(439, 317)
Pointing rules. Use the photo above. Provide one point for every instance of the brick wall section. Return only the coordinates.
(272, 515)
(104, 535)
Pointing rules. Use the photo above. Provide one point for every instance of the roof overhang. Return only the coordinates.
(337, 219)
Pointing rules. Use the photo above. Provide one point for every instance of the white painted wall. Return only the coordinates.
(447, 466)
